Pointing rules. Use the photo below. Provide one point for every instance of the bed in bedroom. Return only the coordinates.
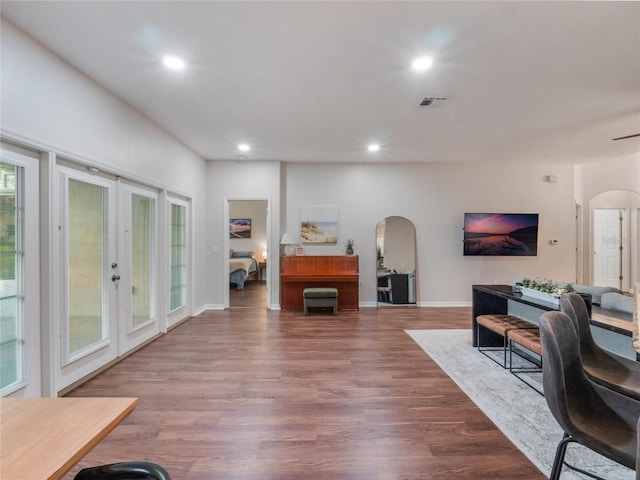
(241, 266)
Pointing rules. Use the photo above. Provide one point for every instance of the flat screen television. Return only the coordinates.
(501, 234)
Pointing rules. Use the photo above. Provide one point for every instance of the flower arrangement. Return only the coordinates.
(548, 286)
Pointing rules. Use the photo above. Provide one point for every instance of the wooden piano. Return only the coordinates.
(337, 271)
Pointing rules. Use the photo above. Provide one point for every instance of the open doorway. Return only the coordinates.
(396, 262)
(615, 255)
(248, 253)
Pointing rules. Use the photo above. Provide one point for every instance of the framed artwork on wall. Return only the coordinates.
(319, 225)
(240, 228)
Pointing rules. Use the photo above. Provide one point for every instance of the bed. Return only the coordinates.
(241, 266)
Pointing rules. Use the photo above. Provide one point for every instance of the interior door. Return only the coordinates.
(607, 259)
(88, 265)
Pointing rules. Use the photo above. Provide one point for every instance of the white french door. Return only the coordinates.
(137, 270)
(88, 262)
(108, 265)
(20, 371)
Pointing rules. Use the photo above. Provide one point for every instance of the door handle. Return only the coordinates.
(115, 278)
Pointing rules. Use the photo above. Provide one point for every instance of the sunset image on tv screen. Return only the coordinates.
(502, 234)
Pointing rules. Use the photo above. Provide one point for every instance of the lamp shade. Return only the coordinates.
(288, 239)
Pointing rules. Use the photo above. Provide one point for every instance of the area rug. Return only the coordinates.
(515, 408)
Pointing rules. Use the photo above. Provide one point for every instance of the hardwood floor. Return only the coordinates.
(253, 295)
(253, 394)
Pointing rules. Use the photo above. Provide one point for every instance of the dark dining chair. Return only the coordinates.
(124, 471)
(601, 365)
(594, 416)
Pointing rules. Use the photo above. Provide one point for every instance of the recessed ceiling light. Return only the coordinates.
(172, 62)
(374, 147)
(422, 63)
(243, 147)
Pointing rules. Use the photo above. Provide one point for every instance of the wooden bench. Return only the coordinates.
(320, 297)
(500, 324)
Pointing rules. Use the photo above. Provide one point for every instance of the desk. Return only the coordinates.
(43, 438)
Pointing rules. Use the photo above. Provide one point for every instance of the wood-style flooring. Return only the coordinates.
(252, 394)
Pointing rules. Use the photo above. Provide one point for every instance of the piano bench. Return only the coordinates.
(320, 297)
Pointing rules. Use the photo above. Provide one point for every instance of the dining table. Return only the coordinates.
(43, 438)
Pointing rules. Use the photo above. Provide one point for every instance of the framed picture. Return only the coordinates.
(319, 225)
(240, 228)
(299, 251)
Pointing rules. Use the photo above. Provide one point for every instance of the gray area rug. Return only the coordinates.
(515, 408)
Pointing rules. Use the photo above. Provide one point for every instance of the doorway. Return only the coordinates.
(614, 227)
(608, 227)
(248, 248)
(396, 262)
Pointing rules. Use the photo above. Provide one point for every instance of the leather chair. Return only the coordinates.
(124, 471)
(638, 454)
(602, 366)
(597, 417)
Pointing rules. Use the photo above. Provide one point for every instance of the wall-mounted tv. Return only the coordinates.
(501, 234)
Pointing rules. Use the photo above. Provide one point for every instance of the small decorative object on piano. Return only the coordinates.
(349, 246)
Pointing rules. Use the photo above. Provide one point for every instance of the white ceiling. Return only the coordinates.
(317, 81)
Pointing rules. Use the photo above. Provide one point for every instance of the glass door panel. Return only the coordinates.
(20, 359)
(11, 318)
(88, 324)
(178, 257)
(142, 254)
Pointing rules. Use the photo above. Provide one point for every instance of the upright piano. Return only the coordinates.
(337, 271)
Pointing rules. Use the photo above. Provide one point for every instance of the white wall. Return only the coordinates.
(614, 183)
(435, 197)
(50, 103)
(47, 103)
(235, 180)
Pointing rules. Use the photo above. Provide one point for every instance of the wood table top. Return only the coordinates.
(43, 438)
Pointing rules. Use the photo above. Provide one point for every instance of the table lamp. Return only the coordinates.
(289, 242)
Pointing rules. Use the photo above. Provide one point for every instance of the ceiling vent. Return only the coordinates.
(433, 101)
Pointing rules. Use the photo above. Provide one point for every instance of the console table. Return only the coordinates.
(610, 329)
(336, 271)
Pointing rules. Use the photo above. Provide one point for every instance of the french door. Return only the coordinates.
(20, 371)
(108, 265)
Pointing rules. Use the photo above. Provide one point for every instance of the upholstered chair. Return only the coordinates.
(602, 366)
(597, 417)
